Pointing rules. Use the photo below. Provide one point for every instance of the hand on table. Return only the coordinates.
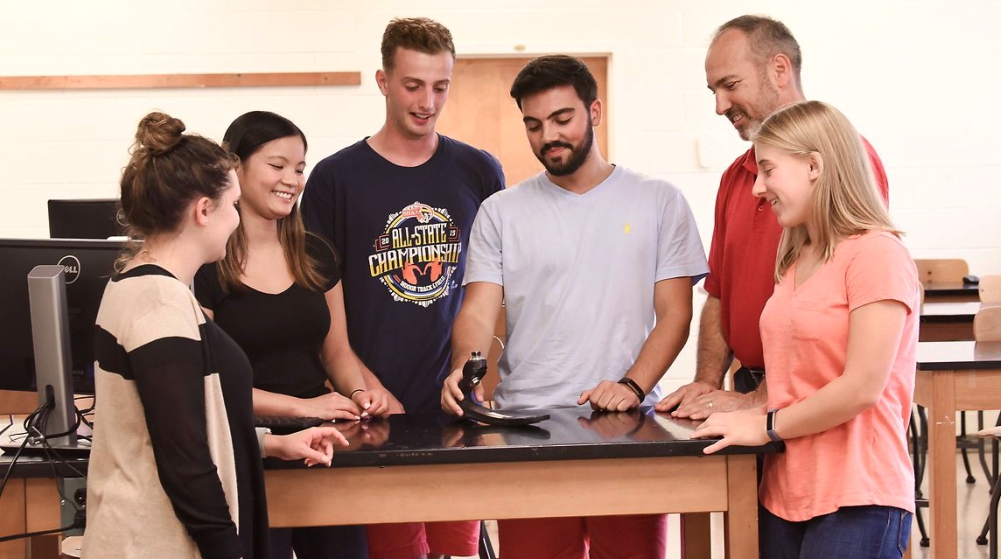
(707, 403)
(609, 396)
(742, 428)
(314, 445)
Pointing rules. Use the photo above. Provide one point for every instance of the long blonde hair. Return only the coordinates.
(845, 199)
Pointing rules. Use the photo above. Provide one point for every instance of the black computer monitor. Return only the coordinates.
(84, 219)
(89, 265)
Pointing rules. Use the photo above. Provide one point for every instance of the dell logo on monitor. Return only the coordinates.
(71, 267)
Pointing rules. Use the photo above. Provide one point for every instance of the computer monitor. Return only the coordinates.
(89, 265)
(84, 219)
(53, 364)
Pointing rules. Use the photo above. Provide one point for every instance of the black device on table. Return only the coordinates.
(472, 373)
(287, 425)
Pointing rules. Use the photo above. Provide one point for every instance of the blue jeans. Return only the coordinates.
(869, 532)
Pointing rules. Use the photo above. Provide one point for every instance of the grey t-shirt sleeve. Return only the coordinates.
(680, 252)
(483, 262)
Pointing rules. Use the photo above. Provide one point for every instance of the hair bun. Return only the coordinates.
(159, 133)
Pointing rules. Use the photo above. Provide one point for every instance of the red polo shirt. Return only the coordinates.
(742, 254)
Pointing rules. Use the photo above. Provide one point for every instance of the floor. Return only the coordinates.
(972, 506)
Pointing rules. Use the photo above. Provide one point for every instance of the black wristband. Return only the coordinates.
(355, 391)
(770, 426)
(634, 387)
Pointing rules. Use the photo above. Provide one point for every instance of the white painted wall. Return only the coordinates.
(917, 77)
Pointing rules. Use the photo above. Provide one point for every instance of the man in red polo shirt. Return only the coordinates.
(753, 69)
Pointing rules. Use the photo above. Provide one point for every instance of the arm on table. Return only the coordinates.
(672, 300)
(473, 331)
(344, 367)
(874, 334)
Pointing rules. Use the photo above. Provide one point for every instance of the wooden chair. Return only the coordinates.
(941, 270)
(990, 288)
(987, 324)
(987, 328)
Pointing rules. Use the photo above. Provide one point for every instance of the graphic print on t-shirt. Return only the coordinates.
(417, 254)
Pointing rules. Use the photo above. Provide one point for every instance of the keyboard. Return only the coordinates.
(286, 425)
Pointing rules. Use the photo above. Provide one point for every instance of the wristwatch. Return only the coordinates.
(770, 426)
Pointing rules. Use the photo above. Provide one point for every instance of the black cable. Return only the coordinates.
(8, 426)
(40, 417)
(49, 453)
(82, 415)
(13, 461)
(93, 403)
(43, 410)
(40, 533)
(42, 436)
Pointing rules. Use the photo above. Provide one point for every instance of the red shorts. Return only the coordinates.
(413, 539)
(594, 537)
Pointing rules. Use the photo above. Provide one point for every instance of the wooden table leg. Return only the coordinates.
(740, 521)
(941, 466)
(13, 520)
(696, 536)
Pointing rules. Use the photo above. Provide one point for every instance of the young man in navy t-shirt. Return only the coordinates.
(398, 206)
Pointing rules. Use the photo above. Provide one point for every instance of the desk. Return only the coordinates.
(955, 292)
(947, 321)
(577, 463)
(951, 376)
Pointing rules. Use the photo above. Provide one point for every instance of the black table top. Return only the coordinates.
(934, 311)
(947, 356)
(951, 288)
(570, 434)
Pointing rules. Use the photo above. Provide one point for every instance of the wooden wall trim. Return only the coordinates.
(156, 81)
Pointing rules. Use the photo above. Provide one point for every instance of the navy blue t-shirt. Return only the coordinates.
(401, 233)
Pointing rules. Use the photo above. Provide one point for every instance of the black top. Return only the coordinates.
(281, 333)
(401, 233)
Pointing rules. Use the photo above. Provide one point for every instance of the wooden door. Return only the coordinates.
(481, 112)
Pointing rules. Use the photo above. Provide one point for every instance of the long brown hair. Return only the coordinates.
(244, 137)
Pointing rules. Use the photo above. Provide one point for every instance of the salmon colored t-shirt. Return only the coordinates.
(805, 333)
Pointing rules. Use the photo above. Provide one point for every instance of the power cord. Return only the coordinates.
(34, 426)
(73, 526)
(24, 443)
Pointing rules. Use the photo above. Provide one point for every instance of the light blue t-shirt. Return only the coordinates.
(578, 273)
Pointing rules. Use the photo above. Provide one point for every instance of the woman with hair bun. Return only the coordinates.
(175, 469)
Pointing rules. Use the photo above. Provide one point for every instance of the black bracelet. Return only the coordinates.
(634, 387)
(355, 391)
(770, 426)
